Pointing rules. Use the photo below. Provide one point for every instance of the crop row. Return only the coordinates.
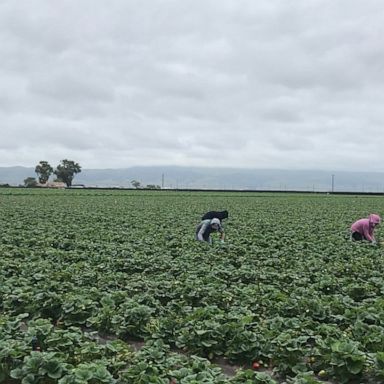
(287, 289)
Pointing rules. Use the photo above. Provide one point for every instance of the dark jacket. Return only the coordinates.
(215, 214)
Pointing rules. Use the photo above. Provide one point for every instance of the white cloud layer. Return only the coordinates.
(227, 83)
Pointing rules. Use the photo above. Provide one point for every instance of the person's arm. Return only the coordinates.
(222, 234)
(373, 238)
(368, 232)
(201, 231)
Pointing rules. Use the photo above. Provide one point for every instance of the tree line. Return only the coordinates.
(65, 172)
(137, 184)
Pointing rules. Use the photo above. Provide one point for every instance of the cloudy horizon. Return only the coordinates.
(231, 83)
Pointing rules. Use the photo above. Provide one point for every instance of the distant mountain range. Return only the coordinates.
(216, 178)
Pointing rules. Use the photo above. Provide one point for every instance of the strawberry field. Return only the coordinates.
(111, 287)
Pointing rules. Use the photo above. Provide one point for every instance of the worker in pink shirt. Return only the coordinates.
(363, 229)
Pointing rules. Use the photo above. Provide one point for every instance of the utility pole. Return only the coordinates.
(162, 181)
(333, 183)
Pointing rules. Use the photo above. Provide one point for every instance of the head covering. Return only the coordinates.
(215, 221)
(374, 218)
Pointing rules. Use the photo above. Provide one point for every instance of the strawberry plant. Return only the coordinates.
(39, 367)
(250, 377)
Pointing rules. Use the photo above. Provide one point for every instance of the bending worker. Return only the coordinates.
(206, 227)
(363, 229)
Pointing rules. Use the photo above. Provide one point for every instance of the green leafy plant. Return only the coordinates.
(250, 377)
(346, 360)
(39, 367)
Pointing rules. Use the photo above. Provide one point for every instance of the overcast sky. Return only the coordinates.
(295, 84)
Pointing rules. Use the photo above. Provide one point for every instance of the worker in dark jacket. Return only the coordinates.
(206, 227)
(221, 215)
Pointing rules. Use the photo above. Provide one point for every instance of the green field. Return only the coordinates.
(90, 274)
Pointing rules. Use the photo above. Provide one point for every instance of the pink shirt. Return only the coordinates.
(365, 228)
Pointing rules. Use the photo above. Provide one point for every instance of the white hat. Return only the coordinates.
(215, 221)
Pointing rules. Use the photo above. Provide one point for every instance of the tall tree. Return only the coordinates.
(66, 171)
(43, 171)
(136, 184)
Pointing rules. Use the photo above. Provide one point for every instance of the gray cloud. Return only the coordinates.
(266, 84)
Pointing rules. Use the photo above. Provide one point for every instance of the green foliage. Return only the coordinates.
(131, 319)
(304, 378)
(347, 362)
(66, 171)
(156, 364)
(136, 184)
(30, 182)
(251, 377)
(43, 171)
(379, 361)
(203, 332)
(39, 367)
(90, 373)
(287, 289)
